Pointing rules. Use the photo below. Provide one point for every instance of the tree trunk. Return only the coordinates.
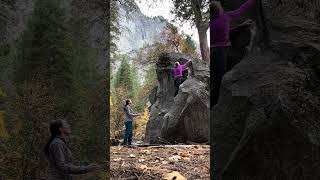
(202, 32)
(202, 27)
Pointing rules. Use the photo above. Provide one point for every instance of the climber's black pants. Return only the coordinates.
(218, 67)
(177, 82)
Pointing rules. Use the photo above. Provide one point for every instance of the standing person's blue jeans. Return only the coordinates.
(128, 133)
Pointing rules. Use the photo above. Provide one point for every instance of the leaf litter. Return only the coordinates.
(158, 162)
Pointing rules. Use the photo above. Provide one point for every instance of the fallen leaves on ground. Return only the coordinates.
(171, 163)
(174, 158)
(175, 175)
(132, 156)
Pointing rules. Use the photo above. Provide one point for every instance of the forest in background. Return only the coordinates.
(126, 81)
(51, 70)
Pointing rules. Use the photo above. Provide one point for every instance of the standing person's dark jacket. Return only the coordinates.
(60, 162)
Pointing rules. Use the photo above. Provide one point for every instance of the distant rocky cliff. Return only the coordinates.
(137, 29)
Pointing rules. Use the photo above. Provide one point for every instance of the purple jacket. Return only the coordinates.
(220, 25)
(178, 70)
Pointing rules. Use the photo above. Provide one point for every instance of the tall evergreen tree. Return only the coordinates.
(190, 45)
(44, 82)
(45, 53)
(86, 82)
(124, 77)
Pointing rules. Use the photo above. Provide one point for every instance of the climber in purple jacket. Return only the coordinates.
(177, 72)
(220, 42)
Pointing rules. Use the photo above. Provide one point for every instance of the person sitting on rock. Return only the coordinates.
(129, 115)
(220, 42)
(177, 72)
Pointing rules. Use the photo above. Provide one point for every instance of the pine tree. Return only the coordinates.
(189, 46)
(44, 82)
(136, 87)
(85, 87)
(45, 53)
(125, 78)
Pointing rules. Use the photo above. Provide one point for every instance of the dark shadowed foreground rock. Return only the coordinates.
(186, 116)
(266, 124)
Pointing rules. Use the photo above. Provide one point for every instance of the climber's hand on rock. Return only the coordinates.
(94, 168)
(247, 50)
(248, 22)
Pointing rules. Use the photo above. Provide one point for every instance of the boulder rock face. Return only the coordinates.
(186, 116)
(266, 124)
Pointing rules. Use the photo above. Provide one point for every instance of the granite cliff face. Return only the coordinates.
(137, 29)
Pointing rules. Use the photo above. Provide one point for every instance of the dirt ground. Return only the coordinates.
(175, 162)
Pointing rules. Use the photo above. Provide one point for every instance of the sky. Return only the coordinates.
(162, 8)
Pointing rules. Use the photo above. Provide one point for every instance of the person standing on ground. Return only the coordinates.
(129, 115)
(220, 42)
(59, 154)
(178, 69)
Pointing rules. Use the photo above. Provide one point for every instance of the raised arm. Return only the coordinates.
(185, 65)
(66, 168)
(242, 9)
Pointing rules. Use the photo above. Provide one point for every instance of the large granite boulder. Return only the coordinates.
(266, 124)
(186, 116)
